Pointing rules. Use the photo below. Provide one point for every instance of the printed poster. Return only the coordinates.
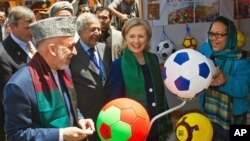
(241, 9)
(153, 11)
(187, 11)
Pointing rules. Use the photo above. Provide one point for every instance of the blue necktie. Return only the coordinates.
(96, 64)
(93, 57)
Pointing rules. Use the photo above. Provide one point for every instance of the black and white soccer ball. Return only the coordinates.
(165, 48)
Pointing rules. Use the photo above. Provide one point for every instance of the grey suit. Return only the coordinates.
(88, 83)
(117, 44)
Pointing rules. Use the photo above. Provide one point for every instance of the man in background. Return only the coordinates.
(14, 51)
(84, 8)
(112, 37)
(61, 8)
(89, 68)
(40, 8)
(125, 9)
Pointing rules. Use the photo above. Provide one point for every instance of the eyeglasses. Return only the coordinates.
(216, 35)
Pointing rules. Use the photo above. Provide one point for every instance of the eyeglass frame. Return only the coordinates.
(216, 35)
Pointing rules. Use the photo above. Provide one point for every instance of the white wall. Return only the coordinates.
(199, 30)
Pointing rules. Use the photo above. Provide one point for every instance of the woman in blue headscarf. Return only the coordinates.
(225, 102)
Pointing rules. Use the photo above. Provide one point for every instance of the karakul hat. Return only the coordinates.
(53, 27)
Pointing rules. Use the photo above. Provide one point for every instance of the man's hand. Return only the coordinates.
(87, 124)
(124, 17)
(75, 134)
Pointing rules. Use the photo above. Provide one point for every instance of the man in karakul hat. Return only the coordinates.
(45, 103)
(64, 8)
(61, 8)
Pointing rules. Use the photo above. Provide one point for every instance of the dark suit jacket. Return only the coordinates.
(12, 58)
(88, 83)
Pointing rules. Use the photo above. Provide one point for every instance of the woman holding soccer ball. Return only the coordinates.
(225, 101)
(136, 75)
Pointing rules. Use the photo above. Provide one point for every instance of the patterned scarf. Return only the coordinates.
(135, 86)
(51, 106)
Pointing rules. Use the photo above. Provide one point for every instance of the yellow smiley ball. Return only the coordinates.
(241, 39)
(194, 127)
(189, 42)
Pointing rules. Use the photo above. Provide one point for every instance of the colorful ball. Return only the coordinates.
(123, 119)
(189, 42)
(187, 72)
(241, 39)
(165, 48)
(194, 127)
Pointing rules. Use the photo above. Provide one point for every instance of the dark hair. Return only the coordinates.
(231, 42)
(101, 8)
(222, 20)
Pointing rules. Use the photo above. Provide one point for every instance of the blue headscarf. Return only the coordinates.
(224, 58)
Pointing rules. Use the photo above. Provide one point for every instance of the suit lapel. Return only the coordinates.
(100, 51)
(14, 50)
(83, 57)
(105, 55)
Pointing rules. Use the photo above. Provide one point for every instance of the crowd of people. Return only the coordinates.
(61, 64)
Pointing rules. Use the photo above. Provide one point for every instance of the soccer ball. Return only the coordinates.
(165, 48)
(123, 119)
(189, 42)
(194, 127)
(187, 72)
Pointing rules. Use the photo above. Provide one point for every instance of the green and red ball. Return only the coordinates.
(123, 119)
